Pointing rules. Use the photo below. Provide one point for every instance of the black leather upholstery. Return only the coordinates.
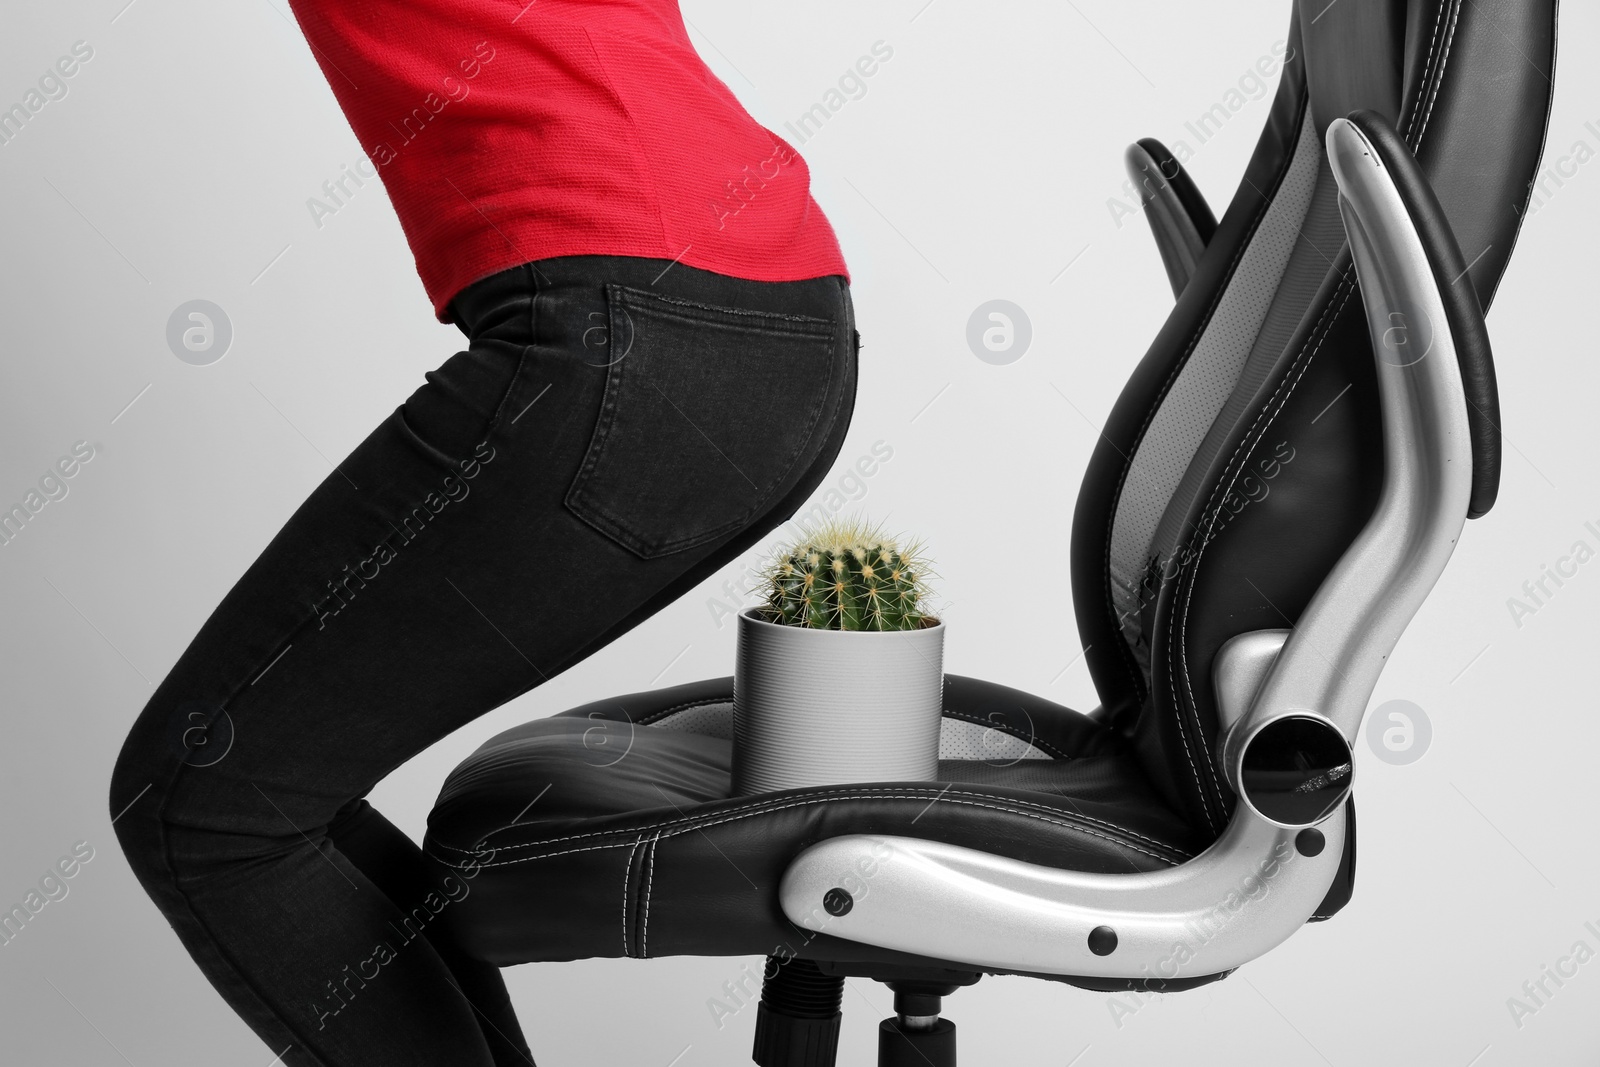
(1467, 82)
(608, 830)
(1170, 171)
(595, 833)
(1118, 678)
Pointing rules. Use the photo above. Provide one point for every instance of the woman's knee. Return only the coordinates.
(153, 801)
(135, 800)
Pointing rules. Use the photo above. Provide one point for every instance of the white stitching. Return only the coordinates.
(1183, 736)
(482, 842)
(1249, 441)
(883, 794)
(1245, 445)
(649, 884)
(1166, 386)
(1075, 815)
(745, 312)
(858, 793)
(627, 879)
(1178, 708)
(833, 794)
(1422, 79)
(1226, 483)
(963, 803)
(1144, 426)
(1182, 651)
(1438, 81)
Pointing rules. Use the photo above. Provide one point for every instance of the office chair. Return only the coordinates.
(1273, 496)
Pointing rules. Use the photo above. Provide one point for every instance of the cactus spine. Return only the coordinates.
(847, 576)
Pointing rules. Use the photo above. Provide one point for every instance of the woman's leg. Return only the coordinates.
(403, 874)
(616, 430)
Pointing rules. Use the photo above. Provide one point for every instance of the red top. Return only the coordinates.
(506, 134)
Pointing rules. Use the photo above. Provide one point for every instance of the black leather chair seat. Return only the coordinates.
(608, 830)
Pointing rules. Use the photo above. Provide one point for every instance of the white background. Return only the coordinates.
(978, 165)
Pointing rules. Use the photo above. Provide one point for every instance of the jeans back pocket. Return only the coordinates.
(706, 412)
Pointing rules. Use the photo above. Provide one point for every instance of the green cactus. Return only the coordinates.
(847, 576)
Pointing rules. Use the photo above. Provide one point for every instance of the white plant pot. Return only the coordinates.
(828, 707)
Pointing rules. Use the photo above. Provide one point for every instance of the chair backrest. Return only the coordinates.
(1245, 453)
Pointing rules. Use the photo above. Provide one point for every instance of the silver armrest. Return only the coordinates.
(1298, 691)
(1338, 648)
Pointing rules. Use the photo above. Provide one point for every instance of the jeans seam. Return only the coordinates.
(169, 873)
(721, 309)
(170, 878)
(522, 357)
(233, 962)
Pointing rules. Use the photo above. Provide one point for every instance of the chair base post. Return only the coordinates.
(915, 1036)
(797, 1021)
(900, 1047)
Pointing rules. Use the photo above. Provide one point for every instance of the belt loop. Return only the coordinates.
(532, 272)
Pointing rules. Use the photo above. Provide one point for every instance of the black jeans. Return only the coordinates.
(615, 431)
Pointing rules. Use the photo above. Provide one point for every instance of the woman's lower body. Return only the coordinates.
(616, 430)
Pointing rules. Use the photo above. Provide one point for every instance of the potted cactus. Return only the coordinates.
(839, 672)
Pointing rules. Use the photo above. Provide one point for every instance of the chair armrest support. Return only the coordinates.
(1244, 895)
(1291, 702)
(1332, 659)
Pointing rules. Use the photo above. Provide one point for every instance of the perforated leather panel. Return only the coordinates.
(1317, 246)
(1204, 385)
(712, 720)
(962, 740)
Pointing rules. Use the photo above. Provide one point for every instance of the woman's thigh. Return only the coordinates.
(604, 442)
(610, 436)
